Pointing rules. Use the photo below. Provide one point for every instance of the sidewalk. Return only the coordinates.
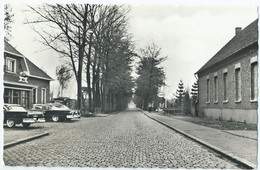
(13, 136)
(236, 143)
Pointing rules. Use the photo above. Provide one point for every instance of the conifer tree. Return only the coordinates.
(194, 91)
(180, 93)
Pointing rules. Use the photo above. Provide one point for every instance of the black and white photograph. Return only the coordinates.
(115, 85)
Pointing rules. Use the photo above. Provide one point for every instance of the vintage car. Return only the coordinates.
(70, 103)
(55, 111)
(16, 114)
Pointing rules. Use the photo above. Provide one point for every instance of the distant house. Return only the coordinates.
(228, 81)
(24, 82)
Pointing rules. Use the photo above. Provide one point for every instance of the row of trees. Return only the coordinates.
(98, 48)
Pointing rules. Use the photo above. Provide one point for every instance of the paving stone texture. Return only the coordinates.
(242, 147)
(128, 139)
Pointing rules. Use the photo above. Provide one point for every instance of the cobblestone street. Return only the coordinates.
(127, 139)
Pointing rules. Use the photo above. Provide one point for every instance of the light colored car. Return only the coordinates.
(16, 114)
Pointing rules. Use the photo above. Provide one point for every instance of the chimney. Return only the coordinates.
(238, 30)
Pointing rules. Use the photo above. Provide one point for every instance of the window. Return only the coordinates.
(16, 97)
(10, 65)
(43, 96)
(34, 96)
(208, 91)
(7, 95)
(25, 99)
(254, 81)
(225, 86)
(238, 84)
(215, 89)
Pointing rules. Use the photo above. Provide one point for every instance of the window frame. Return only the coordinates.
(207, 90)
(43, 102)
(6, 63)
(215, 87)
(253, 61)
(36, 95)
(238, 83)
(225, 86)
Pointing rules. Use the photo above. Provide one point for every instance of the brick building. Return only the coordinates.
(228, 81)
(24, 82)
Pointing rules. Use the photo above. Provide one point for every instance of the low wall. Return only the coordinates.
(238, 115)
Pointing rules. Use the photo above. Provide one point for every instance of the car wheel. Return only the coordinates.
(68, 119)
(26, 125)
(10, 123)
(55, 118)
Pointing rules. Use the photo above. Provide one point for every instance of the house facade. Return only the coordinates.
(24, 83)
(228, 82)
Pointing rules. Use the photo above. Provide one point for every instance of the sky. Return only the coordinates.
(189, 35)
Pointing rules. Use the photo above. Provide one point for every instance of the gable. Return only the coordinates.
(27, 66)
(36, 71)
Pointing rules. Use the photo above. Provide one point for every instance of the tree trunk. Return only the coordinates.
(98, 100)
(88, 76)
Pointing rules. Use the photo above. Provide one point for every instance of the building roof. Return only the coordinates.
(241, 40)
(10, 49)
(34, 71)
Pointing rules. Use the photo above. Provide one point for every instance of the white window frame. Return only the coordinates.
(44, 96)
(215, 87)
(238, 66)
(252, 61)
(6, 64)
(36, 95)
(207, 90)
(225, 86)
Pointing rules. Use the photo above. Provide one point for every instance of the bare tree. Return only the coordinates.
(95, 35)
(66, 33)
(63, 75)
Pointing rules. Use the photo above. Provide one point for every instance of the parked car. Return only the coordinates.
(70, 103)
(16, 114)
(55, 111)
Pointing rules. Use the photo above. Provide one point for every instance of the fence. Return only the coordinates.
(172, 111)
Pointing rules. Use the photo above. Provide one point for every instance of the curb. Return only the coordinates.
(230, 156)
(8, 145)
(239, 135)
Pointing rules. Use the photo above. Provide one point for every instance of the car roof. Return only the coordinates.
(17, 105)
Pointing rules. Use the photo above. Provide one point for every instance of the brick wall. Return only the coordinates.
(242, 57)
(41, 84)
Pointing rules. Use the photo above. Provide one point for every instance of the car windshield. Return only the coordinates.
(15, 108)
(58, 107)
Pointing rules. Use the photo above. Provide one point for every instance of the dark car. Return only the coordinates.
(70, 103)
(16, 114)
(55, 111)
